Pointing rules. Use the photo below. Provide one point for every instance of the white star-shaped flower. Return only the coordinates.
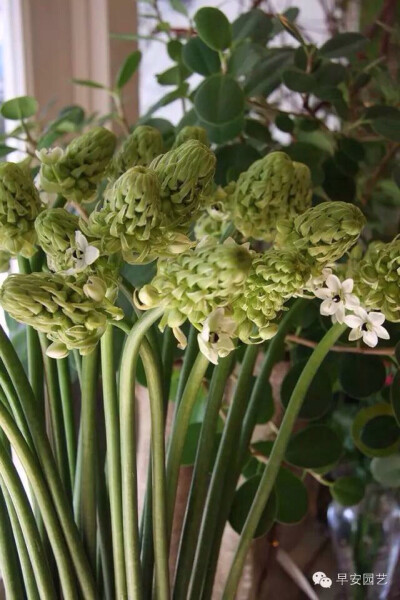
(49, 156)
(337, 296)
(318, 281)
(215, 339)
(367, 326)
(83, 255)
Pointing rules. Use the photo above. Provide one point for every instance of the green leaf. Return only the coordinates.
(244, 58)
(174, 75)
(297, 80)
(361, 376)
(4, 150)
(284, 123)
(292, 497)
(254, 25)
(386, 470)
(19, 108)
(291, 29)
(179, 7)
(314, 447)
(174, 49)
(388, 126)
(266, 76)
(343, 45)
(330, 73)
(395, 396)
(128, 68)
(213, 27)
(241, 505)
(348, 490)
(198, 57)
(139, 275)
(90, 83)
(375, 431)
(234, 158)
(225, 132)
(318, 399)
(219, 100)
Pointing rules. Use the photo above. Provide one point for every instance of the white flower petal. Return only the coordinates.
(323, 293)
(370, 338)
(362, 313)
(347, 286)
(208, 350)
(327, 308)
(355, 334)
(381, 332)
(376, 318)
(333, 283)
(340, 312)
(91, 255)
(181, 337)
(353, 321)
(351, 301)
(80, 240)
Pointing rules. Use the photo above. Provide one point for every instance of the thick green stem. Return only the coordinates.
(205, 549)
(68, 415)
(29, 528)
(128, 450)
(106, 573)
(89, 449)
(200, 479)
(191, 353)
(10, 567)
(179, 431)
(277, 455)
(110, 401)
(43, 449)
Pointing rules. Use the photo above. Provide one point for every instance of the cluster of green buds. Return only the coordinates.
(198, 282)
(275, 276)
(76, 172)
(132, 221)
(72, 312)
(272, 189)
(143, 145)
(216, 215)
(19, 206)
(191, 132)
(377, 282)
(185, 175)
(324, 232)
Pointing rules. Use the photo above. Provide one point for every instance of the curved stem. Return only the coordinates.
(128, 450)
(206, 546)
(278, 452)
(200, 479)
(10, 567)
(43, 449)
(88, 480)
(179, 431)
(68, 415)
(110, 402)
(191, 353)
(30, 531)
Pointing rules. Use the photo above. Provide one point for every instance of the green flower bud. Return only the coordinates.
(207, 225)
(377, 282)
(272, 189)
(191, 132)
(58, 307)
(208, 277)
(131, 220)
(55, 228)
(325, 232)
(185, 176)
(4, 261)
(139, 149)
(275, 276)
(19, 207)
(76, 173)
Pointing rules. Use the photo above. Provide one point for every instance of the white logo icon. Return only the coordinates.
(319, 578)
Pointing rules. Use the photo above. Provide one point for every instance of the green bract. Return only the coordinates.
(139, 148)
(76, 173)
(55, 228)
(131, 220)
(191, 132)
(62, 308)
(19, 207)
(197, 282)
(324, 232)
(185, 175)
(378, 279)
(272, 189)
(275, 277)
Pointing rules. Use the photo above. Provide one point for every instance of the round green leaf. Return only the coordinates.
(348, 490)
(318, 399)
(241, 505)
(330, 73)
(375, 431)
(174, 49)
(314, 447)
(234, 158)
(395, 396)
(244, 57)
(198, 57)
(298, 80)
(254, 25)
(292, 497)
(361, 376)
(19, 108)
(386, 470)
(284, 123)
(128, 68)
(343, 44)
(213, 27)
(224, 133)
(219, 100)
